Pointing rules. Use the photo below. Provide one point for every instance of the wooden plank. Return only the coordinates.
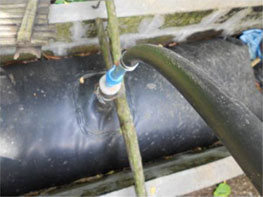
(8, 28)
(12, 42)
(38, 41)
(7, 41)
(44, 34)
(10, 21)
(11, 5)
(45, 27)
(31, 16)
(3, 2)
(20, 16)
(26, 28)
(14, 28)
(13, 2)
(12, 10)
(15, 21)
(43, 10)
(36, 34)
(5, 11)
(42, 16)
(11, 15)
(7, 34)
(40, 34)
(43, 4)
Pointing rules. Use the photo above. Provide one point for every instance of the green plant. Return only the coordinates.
(222, 190)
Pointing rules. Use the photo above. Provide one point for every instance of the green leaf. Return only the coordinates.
(222, 190)
(59, 2)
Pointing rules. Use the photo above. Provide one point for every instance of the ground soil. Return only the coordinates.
(240, 186)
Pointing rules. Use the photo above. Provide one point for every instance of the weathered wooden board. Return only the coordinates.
(17, 18)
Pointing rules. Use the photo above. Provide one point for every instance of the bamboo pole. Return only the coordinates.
(113, 30)
(131, 140)
(104, 44)
(123, 111)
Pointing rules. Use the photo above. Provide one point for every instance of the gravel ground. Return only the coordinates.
(240, 186)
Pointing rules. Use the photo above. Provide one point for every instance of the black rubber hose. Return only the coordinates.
(233, 123)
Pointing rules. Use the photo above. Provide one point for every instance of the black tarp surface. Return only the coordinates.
(52, 131)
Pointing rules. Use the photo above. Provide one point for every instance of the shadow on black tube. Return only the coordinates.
(235, 125)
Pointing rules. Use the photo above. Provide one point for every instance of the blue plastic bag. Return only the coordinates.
(253, 39)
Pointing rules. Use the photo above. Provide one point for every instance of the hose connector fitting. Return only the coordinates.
(110, 83)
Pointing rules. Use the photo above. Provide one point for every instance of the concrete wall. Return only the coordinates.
(148, 21)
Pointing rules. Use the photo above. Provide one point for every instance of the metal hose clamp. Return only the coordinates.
(125, 67)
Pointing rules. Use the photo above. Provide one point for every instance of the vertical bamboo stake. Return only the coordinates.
(131, 140)
(104, 44)
(113, 30)
(123, 111)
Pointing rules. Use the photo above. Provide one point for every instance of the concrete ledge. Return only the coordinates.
(187, 181)
(114, 181)
(147, 21)
(140, 7)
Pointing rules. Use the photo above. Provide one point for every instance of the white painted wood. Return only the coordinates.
(83, 11)
(187, 181)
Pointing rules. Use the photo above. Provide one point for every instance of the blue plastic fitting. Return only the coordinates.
(114, 76)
